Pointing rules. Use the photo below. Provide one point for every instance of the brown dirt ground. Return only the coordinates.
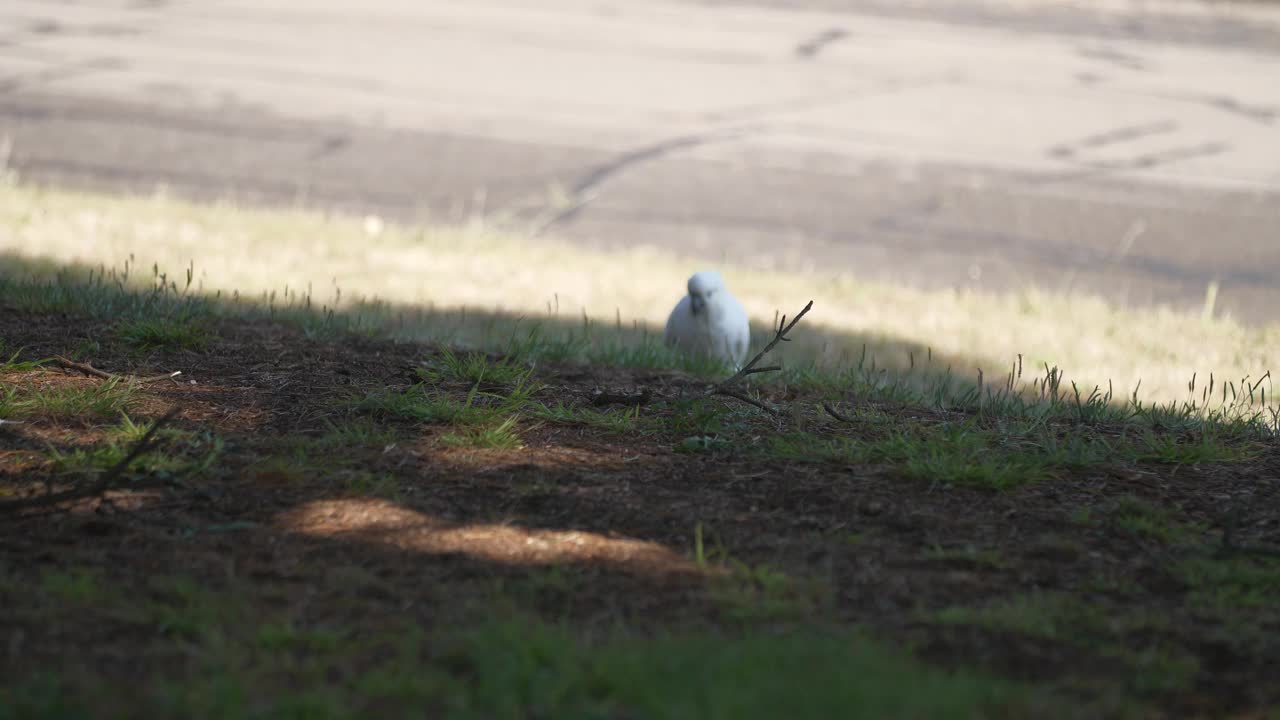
(618, 512)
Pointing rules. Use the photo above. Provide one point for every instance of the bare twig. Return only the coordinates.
(85, 368)
(779, 336)
(726, 387)
(103, 484)
(601, 397)
(92, 371)
(730, 392)
(153, 378)
(832, 412)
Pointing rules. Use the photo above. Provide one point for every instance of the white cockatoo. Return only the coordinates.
(710, 321)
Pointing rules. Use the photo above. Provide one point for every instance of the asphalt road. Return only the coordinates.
(1126, 149)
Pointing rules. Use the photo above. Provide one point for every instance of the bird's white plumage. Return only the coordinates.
(709, 320)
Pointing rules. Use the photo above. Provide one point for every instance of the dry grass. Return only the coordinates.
(343, 260)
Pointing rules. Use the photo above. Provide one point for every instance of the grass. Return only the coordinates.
(1121, 637)
(1047, 617)
(433, 283)
(948, 455)
(183, 454)
(342, 435)
(422, 405)
(1003, 452)
(501, 666)
(1233, 409)
(474, 368)
(96, 401)
(1232, 582)
(180, 333)
(834, 522)
(1143, 519)
(499, 436)
(13, 365)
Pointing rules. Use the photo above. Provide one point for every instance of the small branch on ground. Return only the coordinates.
(779, 336)
(85, 368)
(727, 387)
(838, 416)
(104, 484)
(602, 397)
(92, 371)
(729, 392)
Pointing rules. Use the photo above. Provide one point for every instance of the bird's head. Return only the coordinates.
(703, 288)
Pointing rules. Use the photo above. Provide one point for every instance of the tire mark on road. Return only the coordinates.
(1095, 169)
(1264, 114)
(1111, 137)
(330, 145)
(1111, 56)
(585, 189)
(762, 110)
(1165, 157)
(64, 71)
(810, 48)
(1077, 151)
(749, 119)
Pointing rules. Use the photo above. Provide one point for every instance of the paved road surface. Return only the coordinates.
(1131, 150)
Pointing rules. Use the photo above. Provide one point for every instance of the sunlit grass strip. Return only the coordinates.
(557, 302)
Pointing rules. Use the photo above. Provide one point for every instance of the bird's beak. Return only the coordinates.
(697, 303)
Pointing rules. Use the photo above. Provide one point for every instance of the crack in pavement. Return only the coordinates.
(585, 190)
(1112, 137)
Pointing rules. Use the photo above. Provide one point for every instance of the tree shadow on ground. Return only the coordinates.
(324, 512)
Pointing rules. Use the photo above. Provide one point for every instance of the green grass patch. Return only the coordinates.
(158, 312)
(421, 404)
(1204, 447)
(1151, 666)
(475, 367)
(181, 453)
(164, 334)
(958, 454)
(74, 587)
(1232, 582)
(353, 433)
(13, 364)
(100, 400)
(499, 436)
(1045, 616)
(1002, 453)
(234, 651)
(522, 668)
(1143, 519)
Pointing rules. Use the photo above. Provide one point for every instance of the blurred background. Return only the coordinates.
(985, 177)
